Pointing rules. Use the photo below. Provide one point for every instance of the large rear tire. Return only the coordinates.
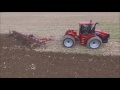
(94, 42)
(68, 41)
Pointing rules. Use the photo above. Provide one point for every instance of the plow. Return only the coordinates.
(30, 40)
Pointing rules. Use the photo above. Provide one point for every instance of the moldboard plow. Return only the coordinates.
(30, 40)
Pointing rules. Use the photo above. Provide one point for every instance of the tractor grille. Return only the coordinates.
(108, 36)
(105, 40)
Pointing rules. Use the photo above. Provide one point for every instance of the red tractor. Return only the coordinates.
(88, 35)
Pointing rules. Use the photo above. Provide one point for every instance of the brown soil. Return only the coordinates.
(18, 61)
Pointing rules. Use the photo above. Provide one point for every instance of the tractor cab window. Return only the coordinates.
(84, 29)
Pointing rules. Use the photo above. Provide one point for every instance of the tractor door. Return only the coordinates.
(85, 34)
(83, 38)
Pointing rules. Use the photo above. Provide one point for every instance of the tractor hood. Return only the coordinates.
(97, 31)
(102, 34)
(71, 32)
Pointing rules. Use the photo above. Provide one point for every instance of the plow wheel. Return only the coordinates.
(68, 41)
(94, 42)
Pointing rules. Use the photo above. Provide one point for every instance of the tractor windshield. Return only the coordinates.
(85, 29)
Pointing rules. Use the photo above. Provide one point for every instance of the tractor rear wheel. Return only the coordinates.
(94, 42)
(68, 41)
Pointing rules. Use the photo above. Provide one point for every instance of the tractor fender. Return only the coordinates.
(72, 33)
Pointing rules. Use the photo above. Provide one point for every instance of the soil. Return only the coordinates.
(19, 61)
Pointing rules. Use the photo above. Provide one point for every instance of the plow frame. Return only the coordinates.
(30, 39)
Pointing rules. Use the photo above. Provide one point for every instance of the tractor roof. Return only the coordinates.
(87, 23)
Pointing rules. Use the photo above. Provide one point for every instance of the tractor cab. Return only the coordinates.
(86, 27)
(86, 31)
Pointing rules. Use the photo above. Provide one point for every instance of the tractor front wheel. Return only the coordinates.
(68, 41)
(94, 42)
